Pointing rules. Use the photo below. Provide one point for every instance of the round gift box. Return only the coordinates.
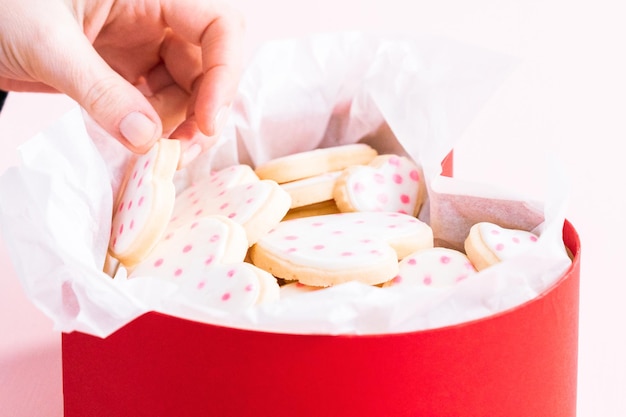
(521, 362)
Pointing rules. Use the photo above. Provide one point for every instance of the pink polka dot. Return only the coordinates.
(232, 215)
(414, 175)
(135, 174)
(121, 230)
(337, 232)
(130, 204)
(131, 225)
(412, 261)
(223, 206)
(230, 273)
(515, 239)
(187, 248)
(460, 278)
(382, 198)
(397, 178)
(366, 241)
(121, 207)
(158, 262)
(445, 259)
(249, 287)
(319, 247)
(226, 296)
(196, 201)
(427, 280)
(250, 201)
(201, 285)
(379, 178)
(291, 237)
(140, 182)
(405, 199)
(194, 225)
(197, 213)
(495, 232)
(347, 254)
(358, 187)
(500, 247)
(249, 187)
(146, 164)
(395, 161)
(317, 224)
(178, 272)
(209, 260)
(533, 238)
(168, 236)
(140, 202)
(397, 279)
(292, 250)
(214, 238)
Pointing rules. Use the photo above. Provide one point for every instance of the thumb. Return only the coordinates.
(115, 104)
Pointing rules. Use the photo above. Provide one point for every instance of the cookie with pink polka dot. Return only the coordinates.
(205, 257)
(488, 244)
(257, 205)
(145, 203)
(387, 183)
(436, 267)
(335, 248)
(220, 180)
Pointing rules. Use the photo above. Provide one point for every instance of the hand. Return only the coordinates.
(142, 69)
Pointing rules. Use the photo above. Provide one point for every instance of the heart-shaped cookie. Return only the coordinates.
(487, 243)
(435, 267)
(332, 249)
(389, 183)
(258, 205)
(205, 258)
(145, 203)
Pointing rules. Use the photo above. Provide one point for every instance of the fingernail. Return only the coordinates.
(138, 129)
(189, 154)
(220, 119)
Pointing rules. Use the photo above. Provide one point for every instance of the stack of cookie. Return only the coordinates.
(317, 218)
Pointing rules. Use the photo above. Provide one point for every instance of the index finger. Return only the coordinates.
(218, 29)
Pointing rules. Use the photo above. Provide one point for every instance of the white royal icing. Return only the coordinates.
(436, 267)
(506, 243)
(392, 186)
(135, 205)
(205, 258)
(342, 241)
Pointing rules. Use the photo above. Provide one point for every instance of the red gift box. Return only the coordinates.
(518, 363)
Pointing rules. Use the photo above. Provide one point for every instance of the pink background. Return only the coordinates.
(568, 97)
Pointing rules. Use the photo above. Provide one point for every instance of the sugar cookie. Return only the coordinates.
(205, 257)
(488, 244)
(435, 267)
(311, 163)
(145, 204)
(257, 205)
(311, 190)
(389, 183)
(336, 248)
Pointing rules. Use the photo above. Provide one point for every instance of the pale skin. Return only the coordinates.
(143, 69)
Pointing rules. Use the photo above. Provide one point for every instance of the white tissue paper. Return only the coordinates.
(408, 95)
